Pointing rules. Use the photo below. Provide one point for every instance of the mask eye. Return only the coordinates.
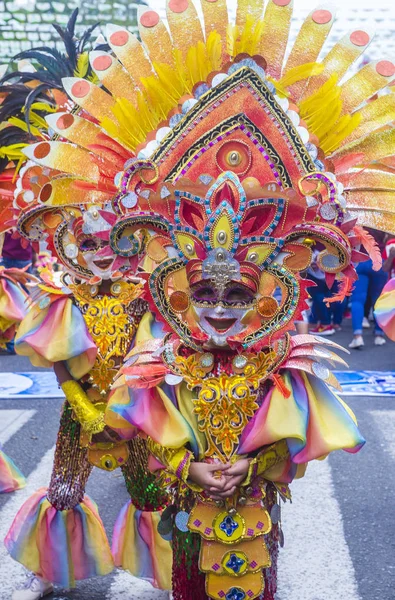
(204, 293)
(238, 295)
(89, 245)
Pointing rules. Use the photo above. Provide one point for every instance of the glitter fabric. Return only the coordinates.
(71, 468)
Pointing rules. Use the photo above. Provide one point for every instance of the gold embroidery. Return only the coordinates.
(112, 325)
(225, 403)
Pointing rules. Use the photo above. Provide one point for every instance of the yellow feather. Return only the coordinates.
(13, 152)
(82, 65)
(232, 33)
(250, 36)
(315, 100)
(344, 128)
(23, 125)
(214, 50)
(300, 72)
(43, 107)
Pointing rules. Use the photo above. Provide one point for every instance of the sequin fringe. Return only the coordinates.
(141, 484)
(71, 468)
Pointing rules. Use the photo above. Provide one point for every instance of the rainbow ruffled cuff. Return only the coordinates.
(60, 546)
(138, 548)
(11, 478)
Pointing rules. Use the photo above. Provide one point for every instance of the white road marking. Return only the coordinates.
(12, 574)
(385, 419)
(315, 563)
(11, 421)
(126, 587)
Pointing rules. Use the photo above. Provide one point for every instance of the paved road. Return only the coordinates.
(340, 542)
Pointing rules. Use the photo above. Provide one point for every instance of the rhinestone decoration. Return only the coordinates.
(164, 192)
(207, 360)
(222, 237)
(189, 248)
(233, 159)
(235, 563)
(330, 261)
(228, 526)
(130, 200)
(205, 179)
(240, 361)
(267, 306)
(253, 257)
(328, 211)
(311, 201)
(116, 288)
(320, 371)
(221, 267)
(71, 251)
(235, 594)
(179, 301)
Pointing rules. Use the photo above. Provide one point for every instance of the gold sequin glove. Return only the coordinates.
(176, 460)
(265, 460)
(91, 419)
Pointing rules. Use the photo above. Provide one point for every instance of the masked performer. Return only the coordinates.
(258, 161)
(238, 164)
(13, 307)
(84, 327)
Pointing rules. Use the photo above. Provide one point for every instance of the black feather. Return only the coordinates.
(52, 66)
(32, 97)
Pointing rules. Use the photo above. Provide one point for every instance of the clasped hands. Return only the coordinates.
(218, 479)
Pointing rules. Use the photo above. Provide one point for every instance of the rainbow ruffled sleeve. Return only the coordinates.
(55, 332)
(384, 310)
(13, 304)
(313, 420)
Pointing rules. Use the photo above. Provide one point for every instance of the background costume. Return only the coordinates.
(13, 307)
(90, 326)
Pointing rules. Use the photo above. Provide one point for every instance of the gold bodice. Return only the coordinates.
(112, 320)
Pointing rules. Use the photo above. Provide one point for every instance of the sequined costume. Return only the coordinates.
(218, 165)
(13, 307)
(92, 333)
(85, 321)
(246, 161)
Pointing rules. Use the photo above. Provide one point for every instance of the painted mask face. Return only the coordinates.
(92, 250)
(85, 244)
(221, 314)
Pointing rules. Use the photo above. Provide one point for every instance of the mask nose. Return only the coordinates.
(219, 310)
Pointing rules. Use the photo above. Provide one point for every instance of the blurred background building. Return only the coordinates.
(26, 23)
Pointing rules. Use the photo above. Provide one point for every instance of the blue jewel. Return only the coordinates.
(235, 594)
(228, 525)
(235, 563)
